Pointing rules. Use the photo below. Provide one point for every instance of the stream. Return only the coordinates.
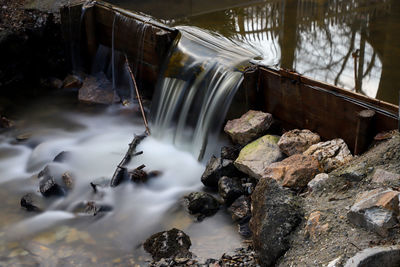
(96, 139)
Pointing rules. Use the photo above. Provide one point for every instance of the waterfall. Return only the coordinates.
(194, 93)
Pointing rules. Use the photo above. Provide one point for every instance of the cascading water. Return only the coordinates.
(192, 98)
(200, 80)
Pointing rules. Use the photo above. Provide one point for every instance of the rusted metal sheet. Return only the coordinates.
(300, 102)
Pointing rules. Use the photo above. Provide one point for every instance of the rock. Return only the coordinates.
(167, 244)
(97, 89)
(275, 215)
(229, 189)
(377, 256)
(72, 81)
(91, 208)
(354, 173)
(244, 229)
(201, 204)
(314, 226)
(318, 183)
(297, 141)
(258, 155)
(215, 169)
(45, 172)
(294, 172)
(230, 152)
(62, 156)
(251, 125)
(138, 176)
(23, 137)
(68, 180)
(31, 202)
(336, 262)
(48, 187)
(6, 123)
(240, 208)
(330, 154)
(376, 210)
(384, 177)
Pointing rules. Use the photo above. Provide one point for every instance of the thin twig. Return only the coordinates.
(138, 97)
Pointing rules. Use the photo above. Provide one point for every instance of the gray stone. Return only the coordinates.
(331, 154)
(32, 202)
(230, 189)
(297, 141)
(318, 183)
(201, 204)
(354, 173)
(376, 210)
(251, 125)
(377, 256)
(240, 208)
(259, 154)
(48, 187)
(215, 169)
(167, 244)
(384, 177)
(97, 89)
(275, 215)
(230, 152)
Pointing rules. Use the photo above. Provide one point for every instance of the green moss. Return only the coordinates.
(250, 148)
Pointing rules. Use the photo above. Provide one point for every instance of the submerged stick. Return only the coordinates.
(121, 172)
(138, 97)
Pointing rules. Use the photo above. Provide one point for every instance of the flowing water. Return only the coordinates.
(96, 139)
(193, 97)
(190, 104)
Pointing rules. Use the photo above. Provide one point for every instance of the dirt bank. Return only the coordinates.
(342, 239)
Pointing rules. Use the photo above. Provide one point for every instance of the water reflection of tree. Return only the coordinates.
(318, 38)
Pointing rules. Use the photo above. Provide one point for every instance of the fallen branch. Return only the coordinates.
(121, 172)
(138, 97)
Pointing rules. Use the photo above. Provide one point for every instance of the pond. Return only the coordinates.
(352, 44)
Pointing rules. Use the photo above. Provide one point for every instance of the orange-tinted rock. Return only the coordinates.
(294, 172)
(376, 210)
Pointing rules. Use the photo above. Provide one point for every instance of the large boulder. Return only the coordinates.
(297, 141)
(251, 125)
(168, 244)
(259, 154)
(294, 172)
(388, 256)
(275, 215)
(331, 154)
(201, 204)
(97, 89)
(376, 210)
(215, 169)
